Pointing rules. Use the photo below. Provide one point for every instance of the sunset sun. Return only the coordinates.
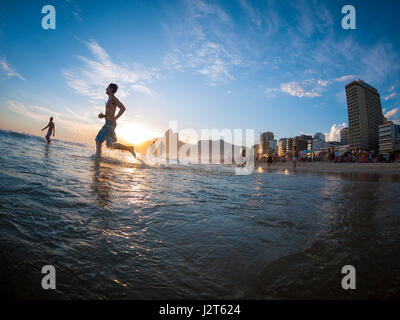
(135, 133)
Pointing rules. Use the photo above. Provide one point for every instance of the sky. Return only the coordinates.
(277, 66)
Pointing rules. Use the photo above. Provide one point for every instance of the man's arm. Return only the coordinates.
(46, 127)
(54, 130)
(121, 108)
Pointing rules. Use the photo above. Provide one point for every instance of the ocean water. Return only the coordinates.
(116, 229)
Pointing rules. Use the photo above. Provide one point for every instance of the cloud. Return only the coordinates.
(77, 15)
(208, 58)
(391, 113)
(173, 60)
(316, 44)
(271, 92)
(71, 120)
(391, 89)
(202, 8)
(312, 18)
(254, 14)
(309, 88)
(203, 42)
(390, 96)
(21, 109)
(344, 78)
(217, 70)
(334, 133)
(273, 62)
(380, 61)
(82, 126)
(9, 70)
(264, 17)
(261, 30)
(141, 88)
(93, 76)
(76, 11)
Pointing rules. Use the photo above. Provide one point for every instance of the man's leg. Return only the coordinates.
(120, 146)
(98, 148)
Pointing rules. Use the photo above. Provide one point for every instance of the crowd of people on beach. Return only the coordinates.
(331, 155)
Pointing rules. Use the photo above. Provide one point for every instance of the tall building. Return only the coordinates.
(265, 139)
(289, 144)
(318, 142)
(344, 136)
(282, 146)
(319, 136)
(273, 145)
(389, 137)
(365, 115)
(301, 142)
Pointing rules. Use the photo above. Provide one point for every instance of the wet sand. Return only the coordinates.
(374, 168)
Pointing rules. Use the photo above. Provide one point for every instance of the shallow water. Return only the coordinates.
(116, 229)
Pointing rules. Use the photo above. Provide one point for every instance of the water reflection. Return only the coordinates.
(101, 184)
(358, 176)
(352, 176)
(46, 150)
(348, 209)
(361, 204)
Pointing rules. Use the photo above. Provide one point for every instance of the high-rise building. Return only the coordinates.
(289, 144)
(319, 136)
(318, 142)
(273, 145)
(265, 139)
(344, 136)
(301, 142)
(365, 115)
(282, 146)
(389, 137)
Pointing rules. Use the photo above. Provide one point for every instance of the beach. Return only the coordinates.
(338, 167)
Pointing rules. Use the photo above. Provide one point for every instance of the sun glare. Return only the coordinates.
(135, 133)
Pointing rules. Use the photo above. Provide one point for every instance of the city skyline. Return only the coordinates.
(221, 64)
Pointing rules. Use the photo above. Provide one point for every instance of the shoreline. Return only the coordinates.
(326, 167)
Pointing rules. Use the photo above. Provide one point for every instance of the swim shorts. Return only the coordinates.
(107, 133)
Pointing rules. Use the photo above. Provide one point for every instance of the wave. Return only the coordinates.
(13, 134)
(25, 135)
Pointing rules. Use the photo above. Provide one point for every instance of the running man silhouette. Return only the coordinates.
(52, 129)
(107, 132)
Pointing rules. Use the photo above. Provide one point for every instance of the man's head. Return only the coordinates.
(112, 88)
(51, 119)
